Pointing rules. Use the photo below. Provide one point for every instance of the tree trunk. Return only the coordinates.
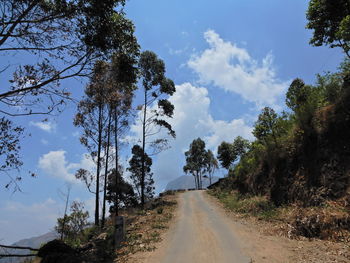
(65, 213)
(197, 181)
(116, 189)
(97, 200)
(143, 172)
(106, 172)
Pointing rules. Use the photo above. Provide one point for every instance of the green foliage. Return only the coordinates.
(10, 136)
(212, 164)
(72, 226)
(270, 128)
(329, 20)
(196, 160)
(278, 163)
(135, 168)
(156, 86)
(225, 155)
(284, 140)
(331, 86)
(125, 192)
(229, 153)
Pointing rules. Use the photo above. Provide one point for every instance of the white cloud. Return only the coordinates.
(45, 142)
(55, 164)
(45, 126)
(231, 68)
(192, 119)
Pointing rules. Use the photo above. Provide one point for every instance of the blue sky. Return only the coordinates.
(228, 58)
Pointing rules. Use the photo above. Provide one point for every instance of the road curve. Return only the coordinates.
(201, 234)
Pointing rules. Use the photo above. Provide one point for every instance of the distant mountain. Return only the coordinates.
(187, 182)
(34, 242)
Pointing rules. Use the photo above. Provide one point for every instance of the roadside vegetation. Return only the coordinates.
(297, 169)
(144, 228)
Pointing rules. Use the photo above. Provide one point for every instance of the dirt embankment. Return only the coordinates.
(268, 239)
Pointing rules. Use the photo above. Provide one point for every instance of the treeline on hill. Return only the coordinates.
(302, 155)
(299, 156)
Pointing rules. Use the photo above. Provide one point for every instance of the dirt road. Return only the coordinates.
(200, 234)
(204, 232)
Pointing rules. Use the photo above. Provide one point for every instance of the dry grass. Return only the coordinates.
(144, 227)
(328, 222)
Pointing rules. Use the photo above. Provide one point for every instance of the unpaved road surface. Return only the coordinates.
(204, 232)
(200, 234)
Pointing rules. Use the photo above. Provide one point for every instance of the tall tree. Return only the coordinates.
(156, 87)
(330, 22)
(212, 165)
(65, 37)
(125, 193)
(196, 160)
(123, 78)
(264, 129)
(228, 153)
(225, 155)
(92, 118)
(140, 162)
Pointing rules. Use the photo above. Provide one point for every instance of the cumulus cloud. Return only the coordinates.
(192, 119)
(45, 126)
(232, 68)
(55, 164)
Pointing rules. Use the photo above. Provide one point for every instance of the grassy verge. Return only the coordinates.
(144, 227)
(330, 221)
(257, 206)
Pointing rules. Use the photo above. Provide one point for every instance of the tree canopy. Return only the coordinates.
(330, 22)
(228, 153)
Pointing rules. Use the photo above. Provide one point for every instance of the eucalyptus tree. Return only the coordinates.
(140, 162)
(156, 88)
(48, 42)
(65, 38)
(91, 117)
(196, 161)
(212, 165)
(10, 147)
(123, 78)
(104, 111)
(125, 193)
(228, 153)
